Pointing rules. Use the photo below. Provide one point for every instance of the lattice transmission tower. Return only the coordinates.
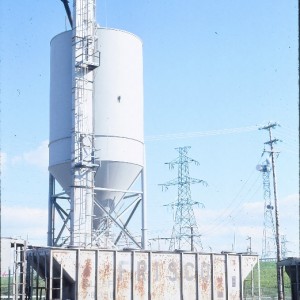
(284, 249)
(185, 233)
(268, 241)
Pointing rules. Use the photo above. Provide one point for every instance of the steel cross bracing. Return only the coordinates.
(185, 233)
(83, 166)
(268, 243)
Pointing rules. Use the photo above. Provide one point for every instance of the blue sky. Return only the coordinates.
(208, 65)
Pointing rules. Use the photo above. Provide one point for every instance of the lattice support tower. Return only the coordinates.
(185, 232)
(268, 241)
(83, 166)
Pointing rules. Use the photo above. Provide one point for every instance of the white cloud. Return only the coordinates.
(289, 207)
(222, 228)
(24, 222)
(37, 157)
(254, 207)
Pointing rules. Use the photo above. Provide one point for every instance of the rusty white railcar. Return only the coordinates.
(57, 273)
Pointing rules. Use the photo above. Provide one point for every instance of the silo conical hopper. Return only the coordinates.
(117, 113)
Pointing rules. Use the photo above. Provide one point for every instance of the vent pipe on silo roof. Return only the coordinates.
(68, 11)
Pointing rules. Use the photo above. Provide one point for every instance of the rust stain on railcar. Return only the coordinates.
(158, 272)
(86, 274)
(205, 276)
(124, 274)
(106, 271)
(123, 282)
(141, 275)
(220, 286)
(106, 268)
(141, 278)
(105, 275)
(87, 270)
(219, 275)
(165, 277)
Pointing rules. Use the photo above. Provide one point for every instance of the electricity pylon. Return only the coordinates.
(185, 233)
(268, 242)
(284, 250)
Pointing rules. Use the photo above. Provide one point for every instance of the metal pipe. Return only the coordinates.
(50, 211)
(149, 275)
(115, 276)
(241, 276)
(116, 190)
(226, 278)
(132, 274)
(68, 11)
(50, 276)
(8, 283)
(197, 276)
(144, 210)
(212, 276)
(258, 273)
(181, 276)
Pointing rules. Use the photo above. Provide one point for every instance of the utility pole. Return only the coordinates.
(185, 233)
(271, 142)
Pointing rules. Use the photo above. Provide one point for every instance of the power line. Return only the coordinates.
(235, 205)
(222, 218)
(184, 135)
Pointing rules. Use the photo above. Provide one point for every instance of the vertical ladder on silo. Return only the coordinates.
(86, 60)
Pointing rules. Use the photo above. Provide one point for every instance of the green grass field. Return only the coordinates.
(268, 282)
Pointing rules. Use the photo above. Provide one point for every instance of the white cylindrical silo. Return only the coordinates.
(117, 113)
(61, 109)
